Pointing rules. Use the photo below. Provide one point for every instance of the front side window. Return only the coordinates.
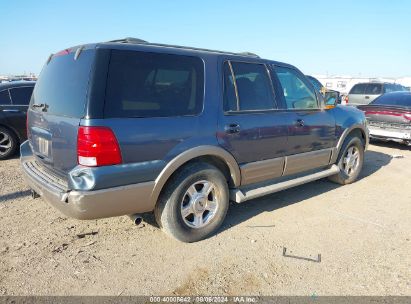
(143, 84)
(21, 96)
(253, 87)
(296, 92)
(4, 97)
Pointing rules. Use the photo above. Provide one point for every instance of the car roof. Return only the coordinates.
(142, 45)
(398, 93)
(16, 84)
(377, 82)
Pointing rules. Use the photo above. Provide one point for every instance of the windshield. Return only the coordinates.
(394, 99)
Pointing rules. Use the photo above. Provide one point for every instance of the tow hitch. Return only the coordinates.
(34, 194)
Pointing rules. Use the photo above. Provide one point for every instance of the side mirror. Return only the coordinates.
(331, 99)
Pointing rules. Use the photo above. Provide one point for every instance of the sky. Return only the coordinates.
(369, 38)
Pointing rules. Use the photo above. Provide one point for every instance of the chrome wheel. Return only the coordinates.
(5, 143)
(351, 160)
(199, 204)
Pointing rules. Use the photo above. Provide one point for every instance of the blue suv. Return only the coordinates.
(127, 127)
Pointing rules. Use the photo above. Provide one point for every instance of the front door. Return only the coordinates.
(250, 126)
(311, 128)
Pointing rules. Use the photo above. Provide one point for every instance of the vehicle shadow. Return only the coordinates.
(14, 195)
(238, 213)
(390, 144)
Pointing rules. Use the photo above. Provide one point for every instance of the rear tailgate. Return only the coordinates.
(56, 108)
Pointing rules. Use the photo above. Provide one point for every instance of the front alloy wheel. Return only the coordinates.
(351, 160)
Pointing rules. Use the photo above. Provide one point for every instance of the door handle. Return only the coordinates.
(299, 122)
(367, 97)
(232, 128)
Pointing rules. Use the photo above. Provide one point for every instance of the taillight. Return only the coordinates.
(97, 146)
(346, 99)
(407, 116)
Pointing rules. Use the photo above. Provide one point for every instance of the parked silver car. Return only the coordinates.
(364, 93)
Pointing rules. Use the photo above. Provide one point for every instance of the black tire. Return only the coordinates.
(168, 211)
(344, 178)
(8, 143)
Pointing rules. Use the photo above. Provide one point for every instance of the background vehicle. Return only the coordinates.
(14, 100)
(128, 127)
(389, 117)
(364, 93)
(328, 95)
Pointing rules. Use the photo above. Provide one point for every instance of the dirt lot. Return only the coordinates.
(362, 231)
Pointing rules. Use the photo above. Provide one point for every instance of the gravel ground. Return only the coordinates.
(362, 232)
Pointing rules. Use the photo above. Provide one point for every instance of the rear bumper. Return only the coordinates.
(398, 135)
(85, 205)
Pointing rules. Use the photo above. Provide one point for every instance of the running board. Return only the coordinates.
(241, 196)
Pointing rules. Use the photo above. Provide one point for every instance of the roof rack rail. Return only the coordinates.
(141, 41)
(249, 54)
(129, 40)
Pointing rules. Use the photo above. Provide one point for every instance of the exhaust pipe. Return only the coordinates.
(136, 218)
(34, 194)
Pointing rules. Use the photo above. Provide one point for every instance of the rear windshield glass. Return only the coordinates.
(63, 84)
(153, 85)
(358, 88)
(394, 100)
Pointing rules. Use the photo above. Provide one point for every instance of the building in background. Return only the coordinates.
(26, 77)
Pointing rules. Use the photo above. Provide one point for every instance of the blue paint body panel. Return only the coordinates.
(148, 144)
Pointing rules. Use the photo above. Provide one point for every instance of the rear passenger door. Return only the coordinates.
(15, 112)
(311, 129)
(20, 99)
(250, 126)
(5, 103)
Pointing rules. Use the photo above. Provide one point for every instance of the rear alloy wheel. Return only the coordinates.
(194, 203)
(8, 143)
(199, 204)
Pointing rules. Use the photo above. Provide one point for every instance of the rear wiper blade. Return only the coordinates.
(42, 106)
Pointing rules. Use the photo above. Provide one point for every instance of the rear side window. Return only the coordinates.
(143, 84)
(63, 84)
(4, 97)
(230, 98)
(358, 88)
(373, 89)
(253, 86)
(21, 96)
